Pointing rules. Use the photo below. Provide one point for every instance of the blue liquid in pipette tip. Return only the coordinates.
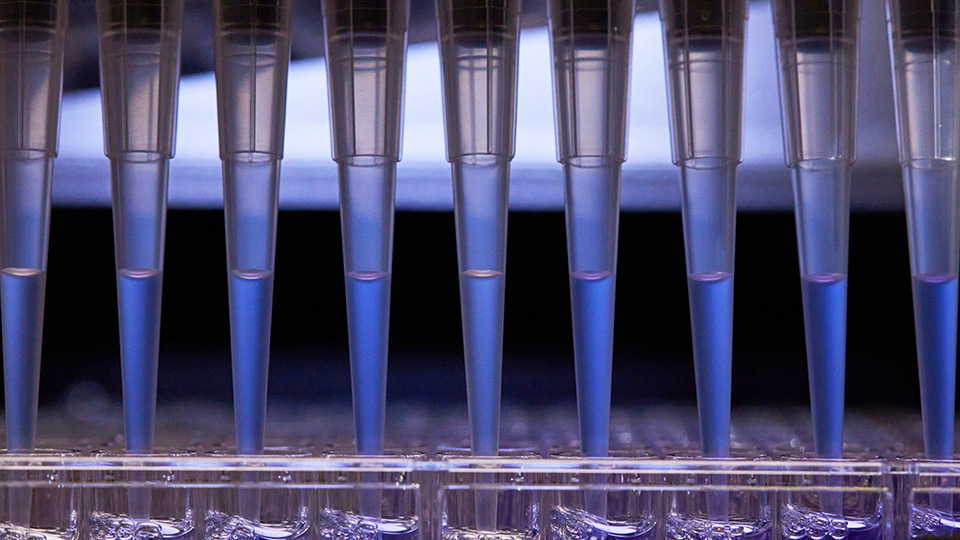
(592, 297)
(481, 294)
(935, 316)
(140, 292)
(22, 292)
(368, 322)
(576, 524)
(825, 321)
(251, 298)
(711, 316)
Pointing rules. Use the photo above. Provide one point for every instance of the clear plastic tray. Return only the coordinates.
(290, 494)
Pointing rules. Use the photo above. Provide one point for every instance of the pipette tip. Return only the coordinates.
(935, 315)
(139, 185)
(27, 178)
(592, 295)
(366, 214)
(368, 309)
(22, 291)
(140, 292)
(822, 198)
(251, 299)
(825, 321)
(709, 221)
(480, 197)
(482, 305)
(592, 215)
(711, 313)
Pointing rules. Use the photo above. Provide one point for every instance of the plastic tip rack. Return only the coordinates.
(432, 492)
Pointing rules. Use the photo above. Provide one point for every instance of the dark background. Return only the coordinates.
(653, 359)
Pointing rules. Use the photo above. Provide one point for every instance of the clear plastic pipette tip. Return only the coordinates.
(251, 187)
(365, 52)
(821, 193)
(480, 192)
(367, 198)
(139, 199)
(818, 61)
(252, 56)
(593, 197)
(704, 57)
(31, 63)
(22, 295)
(32, 38)
(479, 41)
(591, 64)
(26, 209)
(932, 198)
(708, 223)
(139, 85)
(923, 39)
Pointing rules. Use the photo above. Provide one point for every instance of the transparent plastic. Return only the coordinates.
(141, 503)
(375, 497)
(591, 64)
(487, 502)
(927, 498)
(704, 43)
(817, 51)
(366, 45)
(252, 51)
(139, 78)
(32, 38)
(484, 508)
(257, 501)
(605, 506)
(39, 497)
(404, 495)
(847, 503)
(724, 496)
(478, 48)
(923, 38)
